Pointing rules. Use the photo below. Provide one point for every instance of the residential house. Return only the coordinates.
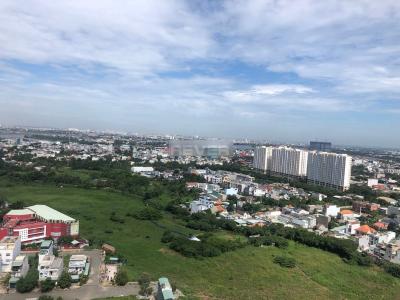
(19, 268)
(10, 247)
(50, 266)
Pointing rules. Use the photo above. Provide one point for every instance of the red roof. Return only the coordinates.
(365, 229)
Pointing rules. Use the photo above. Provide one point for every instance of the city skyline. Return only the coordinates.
(273, 70)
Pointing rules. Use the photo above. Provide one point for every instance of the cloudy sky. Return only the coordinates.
(276, 70)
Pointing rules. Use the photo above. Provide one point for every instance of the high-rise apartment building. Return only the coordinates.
(262, 158)
(329, 169)
(288, 162)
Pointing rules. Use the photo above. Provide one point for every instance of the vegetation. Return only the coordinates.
(121, 278)
(318, 274)
(65, 280)
(30, 281)
(144, 283)
(285, 261)
(47, 285)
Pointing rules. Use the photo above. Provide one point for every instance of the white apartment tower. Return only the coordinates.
(262, 158)
(287, 161)
(329, 170)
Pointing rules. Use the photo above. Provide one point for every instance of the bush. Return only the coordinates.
(285, 261)
(148, 213)
(47, 285)
(65, 280)
(30, 281)
(144, 282)
(392, 269)
(46, 297)
(122, 277)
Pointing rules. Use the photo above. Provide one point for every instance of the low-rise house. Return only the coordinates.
(365, 229)
(77, 264)
(347, 214)
(164, 290)
(204, 203)
(19, 268)
(331, 210)
(10, 247)
(50, 266)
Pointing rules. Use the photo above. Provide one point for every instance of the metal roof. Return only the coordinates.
(48, 213)
(20, 212)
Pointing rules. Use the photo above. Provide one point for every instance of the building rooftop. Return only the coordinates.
(48, 213)
(20, 212)
(9, 239)
(46, 244)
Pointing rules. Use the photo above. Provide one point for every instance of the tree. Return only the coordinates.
(65, 280)
(47, 285)
(144, 282)
(17, 205)
(121, 278)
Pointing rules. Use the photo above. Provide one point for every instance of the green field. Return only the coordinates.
(248, 273)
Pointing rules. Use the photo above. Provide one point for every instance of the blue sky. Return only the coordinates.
(269, 70)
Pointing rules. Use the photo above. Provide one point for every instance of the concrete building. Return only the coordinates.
(331, 210)
(19, 268)
(329, 170)
(10, 247)
(37, 222)
(262, 158)
(288, 162)
(50, 266)
(77, 264)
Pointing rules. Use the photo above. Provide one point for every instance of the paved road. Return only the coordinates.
(89, 291)
(86, 292)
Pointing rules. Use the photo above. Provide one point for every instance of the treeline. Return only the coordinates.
(346, 249)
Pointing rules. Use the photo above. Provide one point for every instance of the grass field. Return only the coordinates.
(248, 273)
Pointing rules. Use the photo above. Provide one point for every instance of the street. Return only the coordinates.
(92, 289)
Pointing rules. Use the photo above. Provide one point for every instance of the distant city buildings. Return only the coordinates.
(206, 148)
(321, 146)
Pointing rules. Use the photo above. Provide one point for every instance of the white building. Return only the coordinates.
(10, 247)
(262, 158)
(329, 169)
(372, 182)
(288, 162)
(50, 267)
(201, 205)
(77, 264)
(331, 210)
(142, 169)
(19, 268)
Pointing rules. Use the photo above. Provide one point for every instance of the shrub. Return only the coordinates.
(65, 280)
(285, 261)
(148, 213)
(47, 285)
(122, 277)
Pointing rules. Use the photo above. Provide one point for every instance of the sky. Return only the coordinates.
(271, 70)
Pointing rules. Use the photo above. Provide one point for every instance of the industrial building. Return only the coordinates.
(34, 223)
